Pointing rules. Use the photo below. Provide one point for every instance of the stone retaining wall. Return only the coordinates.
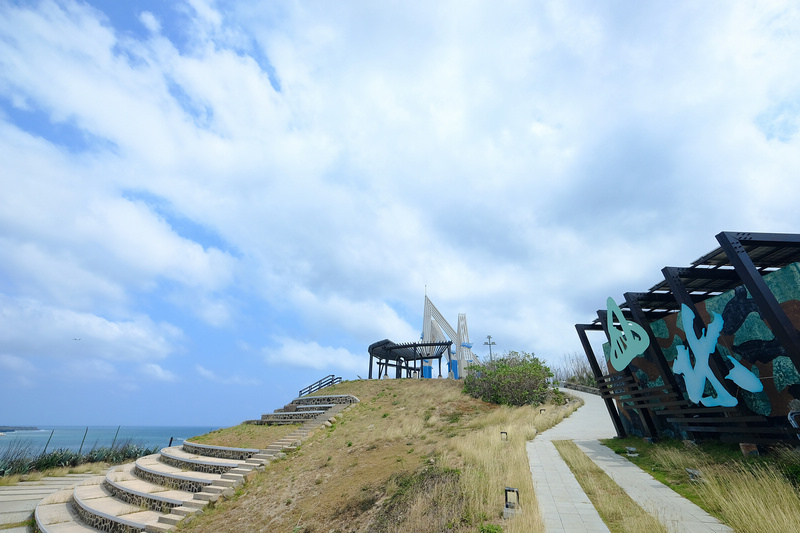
(189, 485)
(197, 467)
(219, 452)
(296, 417)
(319, 400)
(101, 522)
(140, 500)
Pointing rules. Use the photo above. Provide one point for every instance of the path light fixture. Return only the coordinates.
(695, 475)
(489, 343)
(512, 507)
(504, 435)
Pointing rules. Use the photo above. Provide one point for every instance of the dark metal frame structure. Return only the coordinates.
(741, 259)
(405, 357)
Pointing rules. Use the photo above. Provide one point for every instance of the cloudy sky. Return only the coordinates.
(206, 206)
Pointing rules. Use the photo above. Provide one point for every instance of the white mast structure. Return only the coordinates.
(436, 329)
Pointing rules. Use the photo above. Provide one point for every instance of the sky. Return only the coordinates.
(206, 206)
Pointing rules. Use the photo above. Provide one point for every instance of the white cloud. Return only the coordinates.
(293, 173)
(364, 319)
(291, 352)
(15, 364)
(154, 371)
(17, 370)
(230, 380)
(150, 22)
(31, 328)
(94, 370)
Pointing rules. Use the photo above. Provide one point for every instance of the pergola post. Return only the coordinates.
(598, 374)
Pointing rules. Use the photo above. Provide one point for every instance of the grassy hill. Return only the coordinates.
(413, 455)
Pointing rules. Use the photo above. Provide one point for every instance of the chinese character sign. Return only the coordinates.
(695, 376)
(629, 342)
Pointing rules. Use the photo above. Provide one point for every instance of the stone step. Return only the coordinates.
(150, 468)
(238, 473)
(176, 457)
(156, 492)
(55, 514)
(222, 452)
(97, 508)
(290, 418)
(208, 497)
(313, 407)
(326, 399)
(318, 405)
(124, 485)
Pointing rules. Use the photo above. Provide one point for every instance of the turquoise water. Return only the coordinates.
(70, 437)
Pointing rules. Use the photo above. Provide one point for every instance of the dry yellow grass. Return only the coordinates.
(749, 494)
(617, 509)
(246, 436)
(413, 455)
(751, 499)
(88, 468)
(491, 463)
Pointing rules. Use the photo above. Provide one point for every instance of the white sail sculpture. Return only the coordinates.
(436, 329)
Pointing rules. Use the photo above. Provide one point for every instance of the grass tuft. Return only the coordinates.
(620, 513)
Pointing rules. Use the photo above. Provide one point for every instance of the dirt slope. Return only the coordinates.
(403, 459)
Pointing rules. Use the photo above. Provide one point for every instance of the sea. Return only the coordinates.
(84, 438)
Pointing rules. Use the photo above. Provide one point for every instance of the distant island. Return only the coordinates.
(8, 429)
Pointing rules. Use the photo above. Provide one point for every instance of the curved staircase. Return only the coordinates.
(157, 491)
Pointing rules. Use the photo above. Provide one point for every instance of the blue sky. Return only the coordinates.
(225, 201)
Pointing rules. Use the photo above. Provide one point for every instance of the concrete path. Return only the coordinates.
(673, 510)
(564, 505)
(17, 502)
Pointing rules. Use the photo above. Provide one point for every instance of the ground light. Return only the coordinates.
(512, 507)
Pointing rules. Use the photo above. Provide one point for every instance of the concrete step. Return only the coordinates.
(326, 399)
(176, 457)
(314, 407)
(125, 486)
(223, 452)
(55, 514)
(150, 468)
(239, 472)
(319, 405)
(97, 508)
(290, 418)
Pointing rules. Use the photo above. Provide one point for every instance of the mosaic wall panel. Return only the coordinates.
(745, 337)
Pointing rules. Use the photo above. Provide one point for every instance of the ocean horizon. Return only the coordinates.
(84, 438)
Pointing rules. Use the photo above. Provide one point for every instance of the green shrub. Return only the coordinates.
(20, 459)
(516, 378)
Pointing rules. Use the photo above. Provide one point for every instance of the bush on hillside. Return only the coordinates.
(516, 378)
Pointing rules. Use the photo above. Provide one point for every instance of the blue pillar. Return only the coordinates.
(452, 366)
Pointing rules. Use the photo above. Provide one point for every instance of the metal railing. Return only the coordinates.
(327, 381)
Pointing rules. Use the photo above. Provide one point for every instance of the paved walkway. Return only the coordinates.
(564, 505)
(17, 502)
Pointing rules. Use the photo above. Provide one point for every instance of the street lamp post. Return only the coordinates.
(489, 343)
